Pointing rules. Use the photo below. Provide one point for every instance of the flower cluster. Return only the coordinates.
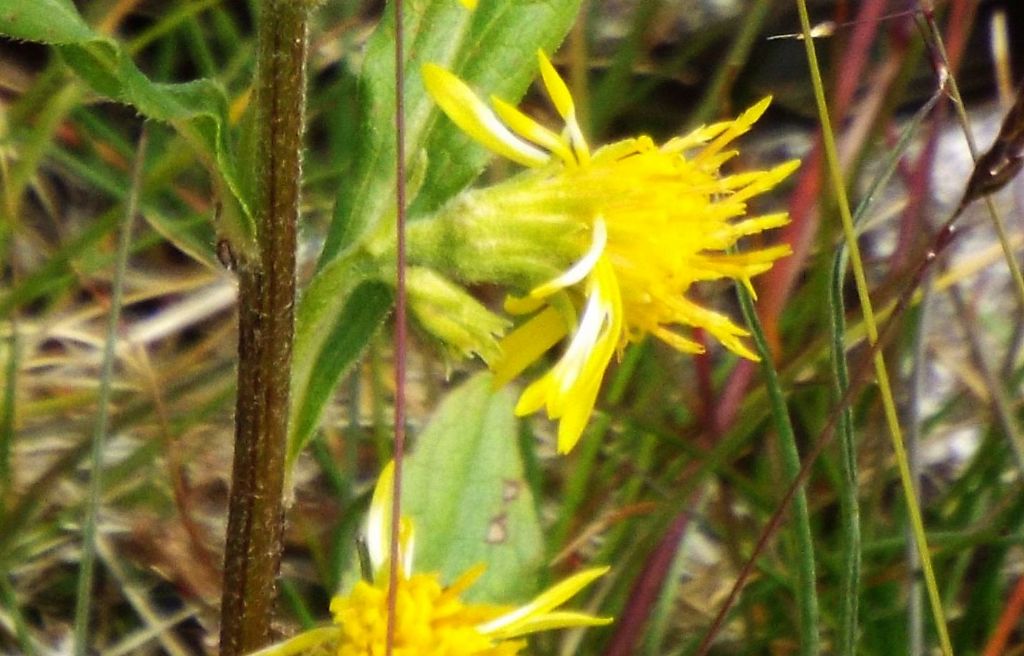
(431, 619)
(648, 221)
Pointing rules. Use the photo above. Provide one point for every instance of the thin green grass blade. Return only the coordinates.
(9, 600)
(849, 587)
(734, 60)
(802, 536)
(84, 595)
(293, 599)
(577, 487)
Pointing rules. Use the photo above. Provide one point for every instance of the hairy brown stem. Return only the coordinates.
(266, 302)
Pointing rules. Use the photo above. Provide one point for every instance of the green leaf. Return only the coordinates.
(198, 110)
(340, 311)
(464, 488)
(493, 48)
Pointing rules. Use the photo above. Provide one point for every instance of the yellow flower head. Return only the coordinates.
(431, 619)
(651, 221)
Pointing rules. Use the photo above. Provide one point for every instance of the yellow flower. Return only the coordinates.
(651, 221)
(431, 619)
(469, 4)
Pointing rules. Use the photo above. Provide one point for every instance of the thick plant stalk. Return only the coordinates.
(266, 301)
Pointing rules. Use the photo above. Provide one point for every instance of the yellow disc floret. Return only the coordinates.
(430, 621)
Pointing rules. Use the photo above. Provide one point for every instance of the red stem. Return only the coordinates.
(1007, 623)
(632, 622)
(400, 322)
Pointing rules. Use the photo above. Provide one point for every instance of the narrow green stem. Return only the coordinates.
(881, 372)
(848, 489)
(99, 438)
(912, 412)
(849, 503)
(266, 323)
(803, 541)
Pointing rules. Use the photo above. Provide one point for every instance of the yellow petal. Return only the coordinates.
(524, 345)
(533, 397)
(556, 87)
(530, 129)
(558, 620)
(562, 99)
(469, 4)
(304, 643)
(766, 181)
(523, 305)
(574, 421)
(476, 119)
(757, 224)
(735, 128)
(511, 624)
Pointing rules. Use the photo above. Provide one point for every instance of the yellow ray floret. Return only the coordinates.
(652, 222)
(431, 619)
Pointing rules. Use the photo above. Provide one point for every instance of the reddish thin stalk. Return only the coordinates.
(631, 622)
(705, 388)
(1007, 623)
(400, 323)
(958, 26)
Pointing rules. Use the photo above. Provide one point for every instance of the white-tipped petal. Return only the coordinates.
(567, 372)
(476, 119)
(533, 131)
(378, 527)
(582, 267)
(559, 619)
(510, 623)
(378, 519)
